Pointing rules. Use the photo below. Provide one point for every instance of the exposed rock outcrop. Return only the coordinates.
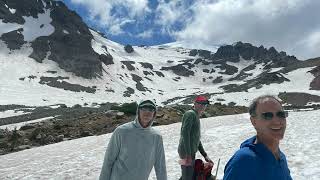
(106, 59)
(262, 79)
(180, 69)
(13, 39)
(247, 51)
(129, 65)
(315, 83)
(128, 48)
(72, 50)
(298, 99)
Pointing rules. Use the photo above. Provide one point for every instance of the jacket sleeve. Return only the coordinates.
(201, 150)
(185, 131)
(160, 163)
(110, 156)
(240, 167)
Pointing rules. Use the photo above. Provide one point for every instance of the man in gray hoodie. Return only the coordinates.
(135, 148)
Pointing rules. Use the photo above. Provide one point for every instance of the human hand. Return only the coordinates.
(186, 161)
(208, 159)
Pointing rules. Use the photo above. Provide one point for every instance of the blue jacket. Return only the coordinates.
(256, 162)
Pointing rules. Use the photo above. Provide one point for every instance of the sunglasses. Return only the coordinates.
(203, 104)
(146, 108)
(270, 115)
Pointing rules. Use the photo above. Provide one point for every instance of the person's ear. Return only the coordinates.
(253, 121)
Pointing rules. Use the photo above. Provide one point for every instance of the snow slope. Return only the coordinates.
(20, 74)
(193, 45)
(118, 79)
(32, 28)
(19, 125)
(221, 136)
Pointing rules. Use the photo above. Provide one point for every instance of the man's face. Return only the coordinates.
(200, 107)
(146, 114)
(270, 128)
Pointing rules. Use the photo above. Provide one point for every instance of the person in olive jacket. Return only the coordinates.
(135, 148)
(189, 142)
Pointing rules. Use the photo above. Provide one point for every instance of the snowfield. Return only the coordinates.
(221, 136)
(16, 81)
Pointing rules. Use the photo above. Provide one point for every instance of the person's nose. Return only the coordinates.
(278, 120)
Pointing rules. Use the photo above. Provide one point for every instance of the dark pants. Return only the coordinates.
(187, 173)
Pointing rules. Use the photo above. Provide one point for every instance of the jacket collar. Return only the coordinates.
(261, 150)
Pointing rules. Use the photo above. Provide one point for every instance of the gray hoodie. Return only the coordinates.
(133, 151)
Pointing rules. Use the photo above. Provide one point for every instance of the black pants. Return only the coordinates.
(187, 173)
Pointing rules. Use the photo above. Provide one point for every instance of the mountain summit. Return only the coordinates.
(54, 32)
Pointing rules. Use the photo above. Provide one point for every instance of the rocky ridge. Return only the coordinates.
(70, 43)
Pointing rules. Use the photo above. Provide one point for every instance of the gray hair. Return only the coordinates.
(256, 101)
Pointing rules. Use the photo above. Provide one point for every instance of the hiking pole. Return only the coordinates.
(215, 178)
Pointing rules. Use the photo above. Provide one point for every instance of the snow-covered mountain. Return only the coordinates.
(49, 56)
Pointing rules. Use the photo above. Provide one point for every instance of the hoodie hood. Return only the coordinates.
(145, 103)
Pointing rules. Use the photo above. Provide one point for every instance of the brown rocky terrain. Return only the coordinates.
(298, 100)
(93, 123)
(315, 83)
(76, 122)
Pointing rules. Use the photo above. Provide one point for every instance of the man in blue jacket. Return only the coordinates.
(135, 148)
(259, 157)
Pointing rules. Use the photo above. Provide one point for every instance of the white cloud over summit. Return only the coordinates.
(289, 25)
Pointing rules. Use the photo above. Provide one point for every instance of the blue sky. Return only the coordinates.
(136, 31)
(292, 26)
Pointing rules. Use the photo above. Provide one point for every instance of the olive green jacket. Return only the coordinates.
(189, 142)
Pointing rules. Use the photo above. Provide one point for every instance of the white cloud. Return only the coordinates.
(289, 25)
(309, 45)
(114, 14)
(145, 34)
(166, 13)
(170, 13)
